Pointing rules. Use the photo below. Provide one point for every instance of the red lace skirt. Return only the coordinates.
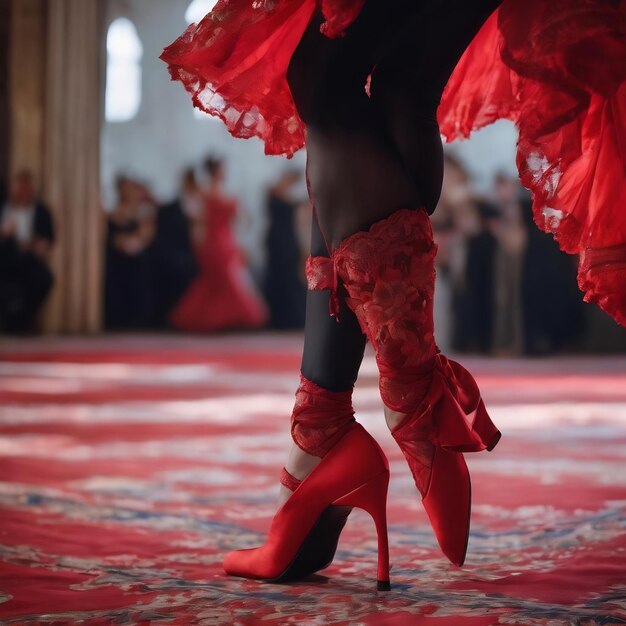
(557, 69)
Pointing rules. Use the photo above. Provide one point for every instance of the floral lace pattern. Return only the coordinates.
(389, 275)
(320, 417)
(321, 274)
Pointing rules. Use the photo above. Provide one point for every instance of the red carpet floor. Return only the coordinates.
(129, 466)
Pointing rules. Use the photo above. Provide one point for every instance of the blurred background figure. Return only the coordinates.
(510, 230)
(552, 305)
(175, 263)
(222, 295)
(26, 239)
(479, 279)
(284, 284)
(129, 281)
(506, 289)
(454, 222)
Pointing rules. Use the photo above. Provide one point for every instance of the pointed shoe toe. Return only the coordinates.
(240, 563)
(448, 503)
(354, 473)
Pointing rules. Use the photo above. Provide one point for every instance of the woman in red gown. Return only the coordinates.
(222, 295)
(369, 85)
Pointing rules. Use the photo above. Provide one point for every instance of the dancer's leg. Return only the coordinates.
(333, 351)
(433, 405)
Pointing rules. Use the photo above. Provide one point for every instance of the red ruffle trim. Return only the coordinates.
(558, 69)
(234, 64)
(601, 275)
(452, 414)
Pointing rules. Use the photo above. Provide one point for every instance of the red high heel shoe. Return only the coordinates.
(354, 473)
(319, 420)
(389, 275)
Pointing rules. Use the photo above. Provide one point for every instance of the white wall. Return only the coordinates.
(166, 136)
(487, 152)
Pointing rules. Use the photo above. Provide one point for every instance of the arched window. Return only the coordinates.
(198, 9)
(123, 86)
(194, 13)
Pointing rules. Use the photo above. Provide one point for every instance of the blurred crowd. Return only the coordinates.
(180, 266)
(503, 288)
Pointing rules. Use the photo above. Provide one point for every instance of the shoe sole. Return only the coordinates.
(469, 518)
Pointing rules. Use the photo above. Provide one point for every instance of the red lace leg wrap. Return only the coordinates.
(320, 417)
(389, 274)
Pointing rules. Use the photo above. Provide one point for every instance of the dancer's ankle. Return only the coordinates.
(393, 418)
(319, 420)
(299, 465)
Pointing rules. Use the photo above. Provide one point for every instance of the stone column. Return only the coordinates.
(71, 172)
(27, 41)
(5, 148)
(56, 91)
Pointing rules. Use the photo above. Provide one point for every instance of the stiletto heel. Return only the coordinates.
(355, 472)
(372, 497)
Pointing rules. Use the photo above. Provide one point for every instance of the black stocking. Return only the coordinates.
(369, 156)
(333, 350)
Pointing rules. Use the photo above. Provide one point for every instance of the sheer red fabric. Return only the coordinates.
(234, 64)
(389, 275)
(556, 68)
(321, 274)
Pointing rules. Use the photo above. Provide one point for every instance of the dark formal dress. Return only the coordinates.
(25, 278)
(284, 290)
(129, 282)
(175, 264)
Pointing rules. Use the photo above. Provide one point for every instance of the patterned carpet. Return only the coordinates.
(129, 466)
